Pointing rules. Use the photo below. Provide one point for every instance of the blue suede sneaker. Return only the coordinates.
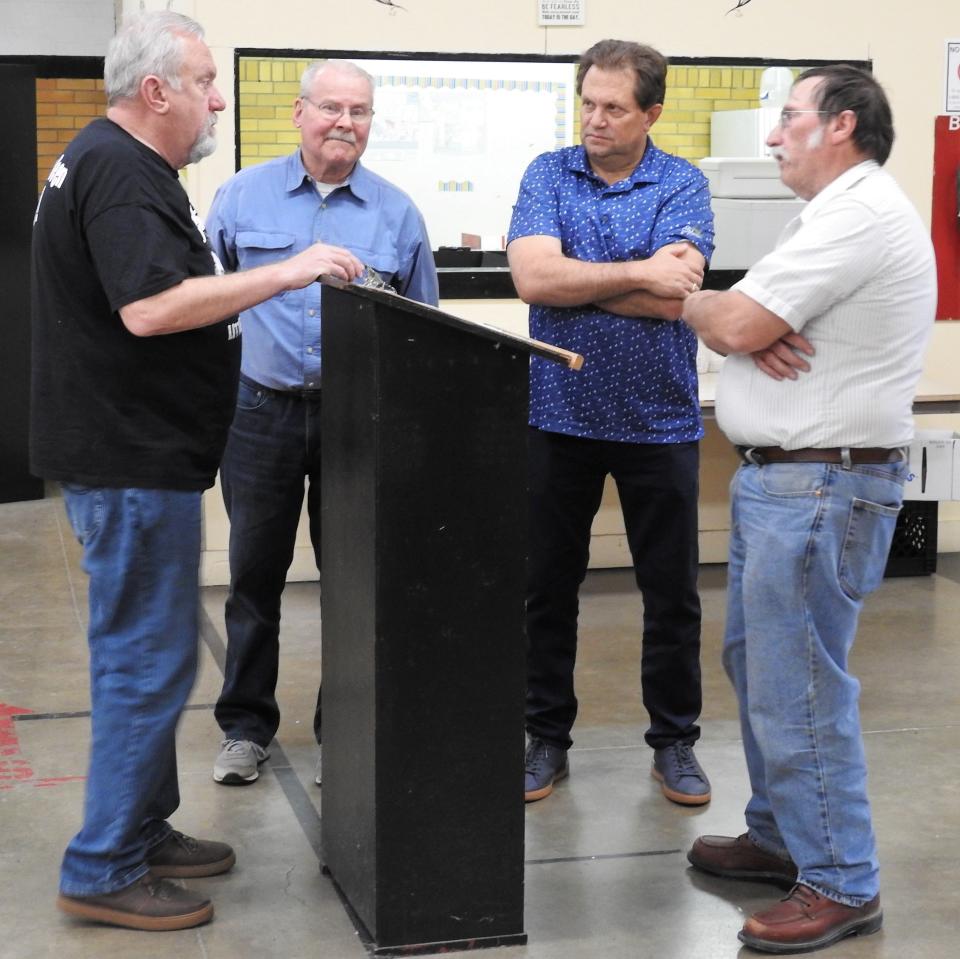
(544, 765)
(680, 776)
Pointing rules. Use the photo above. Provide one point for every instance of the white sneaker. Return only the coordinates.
(238, 762)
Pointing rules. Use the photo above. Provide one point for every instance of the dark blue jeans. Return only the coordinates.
(273, 447)
(658, 487)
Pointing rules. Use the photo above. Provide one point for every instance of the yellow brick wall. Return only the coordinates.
(267, 91)
(64, 106)
(693, 93)
(268, 88)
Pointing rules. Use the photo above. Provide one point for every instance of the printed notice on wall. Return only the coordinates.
(952, 104)
(561, 13)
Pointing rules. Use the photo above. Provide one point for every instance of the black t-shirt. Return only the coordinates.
(113, 226)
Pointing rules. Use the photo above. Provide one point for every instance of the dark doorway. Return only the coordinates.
(18, 198)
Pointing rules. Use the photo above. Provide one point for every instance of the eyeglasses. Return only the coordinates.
(787, 115)
(333, 111)
(372, 280)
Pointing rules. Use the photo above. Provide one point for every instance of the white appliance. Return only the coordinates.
(742, 133)
(747, 230)
(744, 176)
(750, 208)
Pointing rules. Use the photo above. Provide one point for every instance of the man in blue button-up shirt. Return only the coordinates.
(265, 213)
(605, 242)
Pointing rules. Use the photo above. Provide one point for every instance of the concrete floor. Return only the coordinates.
(606, 869)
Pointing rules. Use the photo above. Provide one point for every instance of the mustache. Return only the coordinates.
(345, 136)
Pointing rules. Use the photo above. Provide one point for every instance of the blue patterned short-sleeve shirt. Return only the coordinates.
(639, 378)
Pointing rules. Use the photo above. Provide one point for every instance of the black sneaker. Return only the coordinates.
(544, 765)
(680, 776)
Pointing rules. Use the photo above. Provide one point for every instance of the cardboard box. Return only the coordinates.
(934, 473)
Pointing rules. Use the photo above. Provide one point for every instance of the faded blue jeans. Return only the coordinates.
(808, 542)
(141, 550)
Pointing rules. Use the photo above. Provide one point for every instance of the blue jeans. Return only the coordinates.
(141, 550)
(808, 542)
(273, 447)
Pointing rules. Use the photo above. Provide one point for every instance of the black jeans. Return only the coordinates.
(658, 487)
(274, 444)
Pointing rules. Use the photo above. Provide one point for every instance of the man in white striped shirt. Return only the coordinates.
(825, 337)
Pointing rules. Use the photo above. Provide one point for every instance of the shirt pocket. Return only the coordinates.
(258, 247)
(385, 262)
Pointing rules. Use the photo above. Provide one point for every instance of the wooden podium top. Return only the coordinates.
(573, 361)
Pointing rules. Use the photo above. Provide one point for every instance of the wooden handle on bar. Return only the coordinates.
(573, 360)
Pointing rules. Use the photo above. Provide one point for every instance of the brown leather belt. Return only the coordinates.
(761, 455)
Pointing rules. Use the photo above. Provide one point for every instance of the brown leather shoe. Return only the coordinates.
(804, 921)
(740, 858)
(154, 905)
(183, 857)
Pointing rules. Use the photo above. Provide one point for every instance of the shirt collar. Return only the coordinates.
(360, 184)
(850, 177)
(648, 170)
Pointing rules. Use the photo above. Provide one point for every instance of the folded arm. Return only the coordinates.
(543, 275)
(731, 322)
(644, 303)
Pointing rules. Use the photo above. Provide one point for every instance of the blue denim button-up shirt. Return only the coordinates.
(639, 378)
(270, 212)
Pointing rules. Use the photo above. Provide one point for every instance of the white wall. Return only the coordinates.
(74, 28)
(906, 45)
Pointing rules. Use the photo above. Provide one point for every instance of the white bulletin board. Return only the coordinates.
(457, 135)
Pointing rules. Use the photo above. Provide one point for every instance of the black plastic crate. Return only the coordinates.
(913, 551)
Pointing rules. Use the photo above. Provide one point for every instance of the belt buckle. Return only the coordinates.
(751, 456)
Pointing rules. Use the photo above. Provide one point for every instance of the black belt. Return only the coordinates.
(761, 455)
(301, 394)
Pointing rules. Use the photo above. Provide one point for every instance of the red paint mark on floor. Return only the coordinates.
(14, 769)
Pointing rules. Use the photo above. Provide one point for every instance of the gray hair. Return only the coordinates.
(146, 44)
(345, 66)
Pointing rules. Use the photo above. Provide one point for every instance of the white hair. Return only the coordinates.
(146, 44)
(318, 66)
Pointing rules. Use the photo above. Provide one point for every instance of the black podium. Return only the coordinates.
(424, 528)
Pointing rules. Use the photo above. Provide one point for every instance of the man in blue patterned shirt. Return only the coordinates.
(605, 242)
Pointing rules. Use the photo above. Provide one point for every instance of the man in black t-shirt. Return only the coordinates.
(136, 351)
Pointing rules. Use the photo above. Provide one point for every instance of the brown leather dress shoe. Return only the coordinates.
(183, 857)
(804, 921)
(740, 858)
(154, 905)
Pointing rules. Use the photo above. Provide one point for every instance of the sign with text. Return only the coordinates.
(952, 102)
(561, 13)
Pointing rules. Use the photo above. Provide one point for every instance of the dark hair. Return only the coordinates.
(649, 66)
(845, 87)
